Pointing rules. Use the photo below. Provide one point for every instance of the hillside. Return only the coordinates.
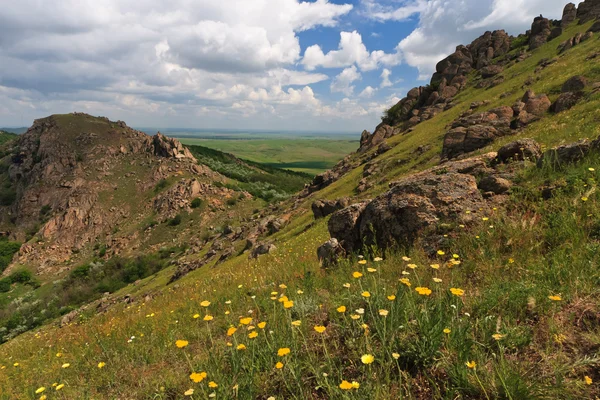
(454, 255)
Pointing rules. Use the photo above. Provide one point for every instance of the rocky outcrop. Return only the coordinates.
(423, 103)
(574, 41)
(569, 15)
(169, 147)
(575, 84)
(378, 137)
(531, 108)
(541, 29)
(323, 208)
(588, 11)
(476, 131)
(411, 206)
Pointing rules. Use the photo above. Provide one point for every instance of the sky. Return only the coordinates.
(319, 65)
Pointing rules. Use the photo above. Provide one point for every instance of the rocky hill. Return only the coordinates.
(454, 255)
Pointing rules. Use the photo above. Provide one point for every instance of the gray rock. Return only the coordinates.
(522, 149)
(495, 184)
(575, 84)
(330, 252)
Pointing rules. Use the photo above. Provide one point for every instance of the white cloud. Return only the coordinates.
(444, 24)
(385, 78)
(378, 11)
(343, 82)
(367, 92)
(351, 51)
(156, 57)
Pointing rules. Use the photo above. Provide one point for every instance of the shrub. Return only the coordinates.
(163, 183)
(196, 203)
(7, 196)
(175, 220)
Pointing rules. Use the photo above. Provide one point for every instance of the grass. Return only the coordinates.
(311, 156)
(514, 315)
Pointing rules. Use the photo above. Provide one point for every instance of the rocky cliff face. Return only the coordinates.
(79, 178)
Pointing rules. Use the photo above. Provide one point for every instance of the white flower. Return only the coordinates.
(360, 311)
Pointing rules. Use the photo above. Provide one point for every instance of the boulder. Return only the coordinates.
(575, 84)
(541, 30)
(343, 226)
(330, 252)
(261, 249)
(323, 208)
(569, 153)
(275, 225)
(569, 14)
(495, 184)
(416, 203)
(565, 101)
(522, 149)
(490, 71)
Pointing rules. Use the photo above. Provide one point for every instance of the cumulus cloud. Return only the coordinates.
(162, 57)
(385, 78)
(351, 50)
(342, 83)
(367, 92)
(444, 24)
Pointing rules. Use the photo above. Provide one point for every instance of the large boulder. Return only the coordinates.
(565, 101)
(522, 149)
(575, 84)
(541, 29)
(381, 133)
(569, 14)
(261, 249)
(569, 153)
(416, 203)
(343, 226)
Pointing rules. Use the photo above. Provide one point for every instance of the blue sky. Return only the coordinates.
(245, 64)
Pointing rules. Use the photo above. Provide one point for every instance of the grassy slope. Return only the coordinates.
(312, 156)
(6, 136)
(510, 264)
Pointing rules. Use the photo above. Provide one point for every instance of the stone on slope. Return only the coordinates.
(522, 149)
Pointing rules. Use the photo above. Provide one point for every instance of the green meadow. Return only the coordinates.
(309, 155)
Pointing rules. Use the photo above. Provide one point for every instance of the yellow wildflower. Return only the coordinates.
(371, 270)
(241, 346)
(555, 298)
(404, 258)
(341, 309)
(62, 385)
(40, 390)
(208, 318)
(253, 334)
(345, 385)
(188, 392)
(498, 336)
(365, 294)
(246, 321)
(288, 304)
(423, 291)
(231, 331)
(587, 380)
(101, 364)
(212, 384)
(412, 266)
(196, 316)
(284, 351)
(391, 297)
(396, 356)
(367, 359)
(205, 303)
(440, 252)
(279, 365)
(181, 343)
(437, 280)
(362, 262)
(198, 377)
(355, 316)
(405, 281)
(297, 323)
(457, 292)
(319, 328)
(383, 313)
(66, 365)
(356, 274)
(447, 331)
(262, 325)
(471, 364)
(435, 266)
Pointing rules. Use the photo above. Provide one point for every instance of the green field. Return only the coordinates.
(309, 155)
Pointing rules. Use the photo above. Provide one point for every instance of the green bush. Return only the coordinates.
(196, 203)
(175, 220)
(7, 196)
(163, 183)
